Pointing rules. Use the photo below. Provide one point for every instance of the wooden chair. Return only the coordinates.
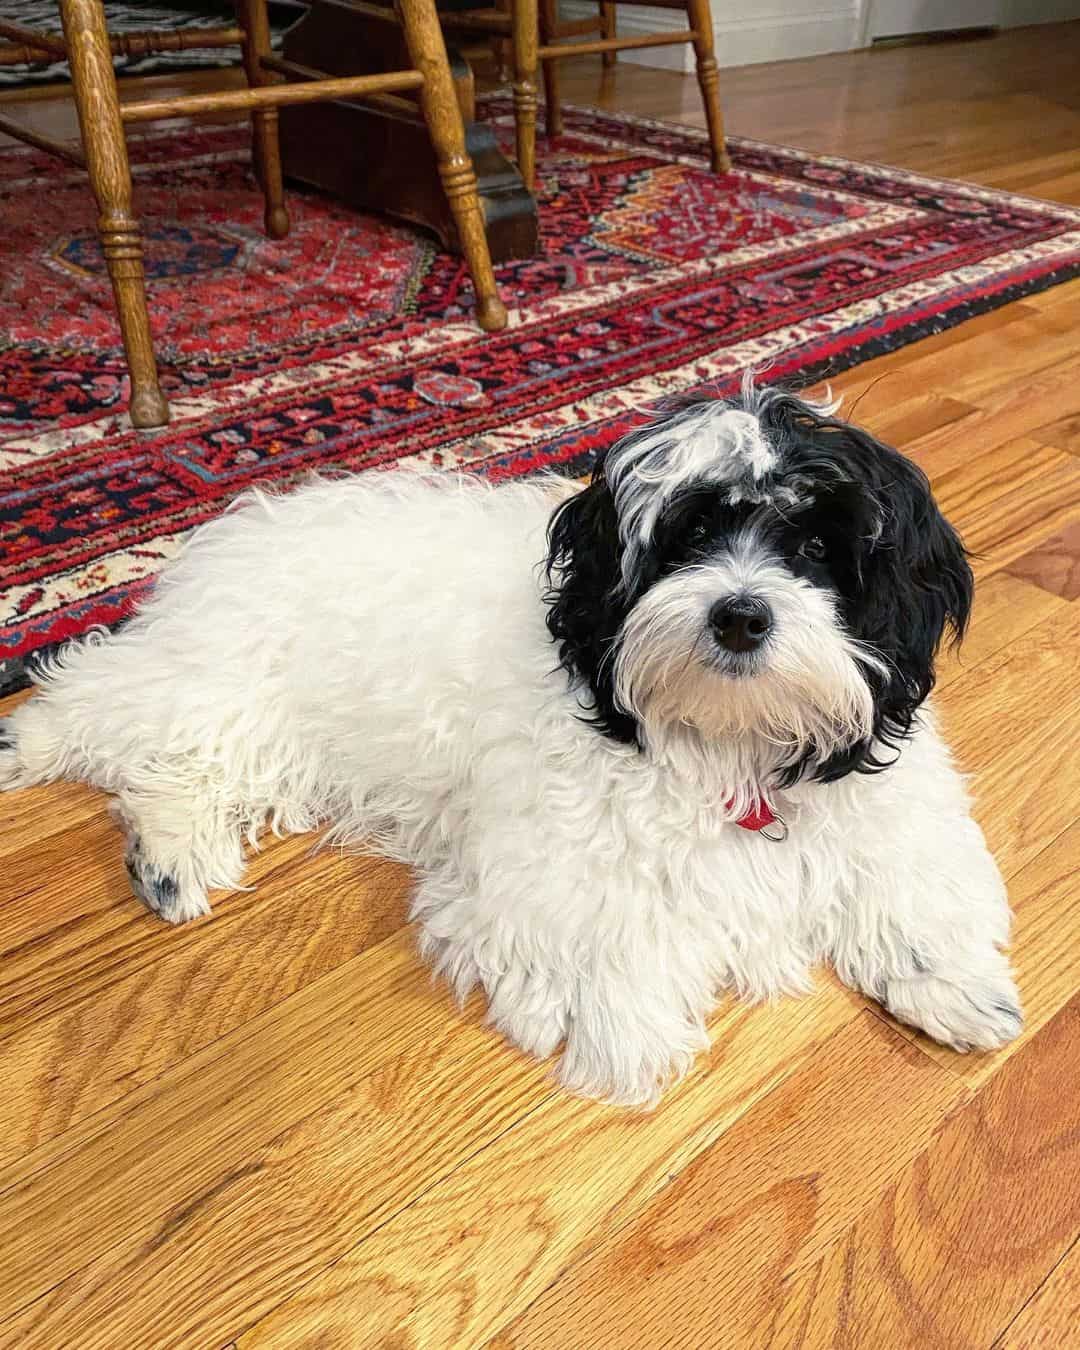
(536, 36)
(553, 26)
(88, 46)
(603, 22)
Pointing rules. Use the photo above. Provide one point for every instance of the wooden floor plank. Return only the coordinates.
(966, 475)
(1050, 1321)
(1006, 608)
(1008, 525)
(978, 362)
(950, 1253)
(1053, 565)
(771, 1194)
(479, 1247)
(873, 389)
(907, 421)
(242, 1172)
(58, 956)
(1063, 432)
(1008, 501)
(272, 1220)
(28, 817)
(1024, 764)
(1005, 412)
(67, 879)
(1034, 175)
(75, 1196)
(892, 394)
(1054, 298)
(94, 1011)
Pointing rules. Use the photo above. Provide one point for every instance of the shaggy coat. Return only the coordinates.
(558, 706)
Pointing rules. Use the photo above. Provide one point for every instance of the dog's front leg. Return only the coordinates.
(923, 928)
(632, 1034)
(627, 1006)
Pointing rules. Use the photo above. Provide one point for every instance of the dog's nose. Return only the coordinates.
(740, 622)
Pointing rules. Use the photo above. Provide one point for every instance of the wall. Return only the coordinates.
(748, 31)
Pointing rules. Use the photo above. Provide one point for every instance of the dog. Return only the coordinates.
(642, 741)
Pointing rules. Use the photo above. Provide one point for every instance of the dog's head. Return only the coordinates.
(757, 566)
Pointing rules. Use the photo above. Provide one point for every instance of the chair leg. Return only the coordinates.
(427, 52)
(708, 78)
(98, 105)
(264, 121)
(526, 31)
(500, 47)
(549, 19)
(607, 28)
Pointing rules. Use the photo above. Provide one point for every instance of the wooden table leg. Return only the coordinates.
(526, 32)
(549, 18)
(709, 79)
(94, 86)
(427, 52)
(264, 121)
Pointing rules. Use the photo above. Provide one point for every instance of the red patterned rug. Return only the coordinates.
(349, 345)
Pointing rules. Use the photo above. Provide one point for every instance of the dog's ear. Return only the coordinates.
(910, 584)
(915, 587)
(585, 604)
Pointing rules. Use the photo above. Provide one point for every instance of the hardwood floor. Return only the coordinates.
(271, 1129)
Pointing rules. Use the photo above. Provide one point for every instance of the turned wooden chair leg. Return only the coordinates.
(549, 19)
(264, 121)
(526, 31)
(700, 16)
(98, 105)
(427, 52)
(500, 47)
(607, 28)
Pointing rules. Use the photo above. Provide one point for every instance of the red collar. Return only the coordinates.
(758, 817)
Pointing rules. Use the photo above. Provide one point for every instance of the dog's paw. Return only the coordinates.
(160, 891)
(971, 1012)
(608, 1062)
(537, 1032)
(530, 1006)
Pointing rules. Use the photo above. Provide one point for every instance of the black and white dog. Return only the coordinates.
(733, 775)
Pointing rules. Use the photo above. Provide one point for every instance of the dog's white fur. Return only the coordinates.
(371, 655)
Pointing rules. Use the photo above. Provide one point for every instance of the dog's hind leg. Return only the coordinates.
(178, 846)
(181, 838)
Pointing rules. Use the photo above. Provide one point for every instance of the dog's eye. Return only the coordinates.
(700, 533)
(813, 549)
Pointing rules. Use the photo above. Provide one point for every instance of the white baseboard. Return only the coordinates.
(885, 18)
(739, 41)
(1020, 13)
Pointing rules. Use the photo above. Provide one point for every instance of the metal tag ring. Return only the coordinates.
(780, 836)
